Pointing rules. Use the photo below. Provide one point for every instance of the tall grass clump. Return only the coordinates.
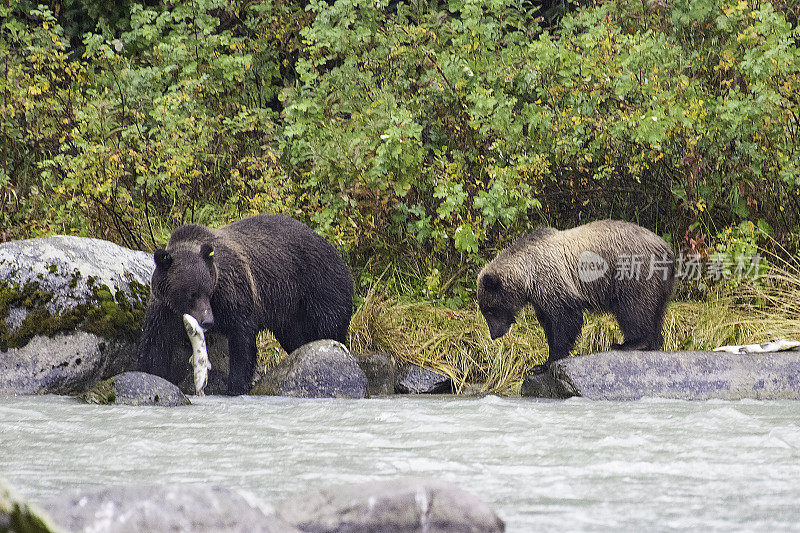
(771, 303)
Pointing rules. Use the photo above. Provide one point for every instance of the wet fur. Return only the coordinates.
(541, 269)
(266, 272)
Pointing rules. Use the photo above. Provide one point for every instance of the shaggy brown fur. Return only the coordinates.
(263, 272)
(588, 268)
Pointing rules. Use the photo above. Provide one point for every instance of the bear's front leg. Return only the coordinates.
(162, 332)
(241, 361)
(565, 326)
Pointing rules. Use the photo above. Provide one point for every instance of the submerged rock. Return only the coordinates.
(17, 515)
(380, 370)
(404, 506)
(619, 375)
(319, 369)
(136, 388)
(161, 508)
(419, 380)
(71, 310)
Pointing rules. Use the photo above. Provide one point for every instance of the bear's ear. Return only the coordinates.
(207, 252)
(492, 283)
(163, 259)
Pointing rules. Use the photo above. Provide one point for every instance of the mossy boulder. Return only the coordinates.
(135, 388)
(71, 311)
(19, 515)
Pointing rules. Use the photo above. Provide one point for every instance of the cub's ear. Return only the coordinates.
(163, 259)
(207, 252)
(491, 282)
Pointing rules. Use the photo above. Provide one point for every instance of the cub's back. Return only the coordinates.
(613, 237)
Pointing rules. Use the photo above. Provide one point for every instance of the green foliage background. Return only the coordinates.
(423, 135)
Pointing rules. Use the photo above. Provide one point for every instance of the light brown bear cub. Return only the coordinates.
(604, 266)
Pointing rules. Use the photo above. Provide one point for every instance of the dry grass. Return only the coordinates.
(457, 341)
(771, 307)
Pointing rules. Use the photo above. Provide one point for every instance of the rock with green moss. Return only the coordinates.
(71, 310)
(18, 515)
(135, 388)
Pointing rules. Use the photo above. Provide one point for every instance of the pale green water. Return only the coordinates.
(572, 465)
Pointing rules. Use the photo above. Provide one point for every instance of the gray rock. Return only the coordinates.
(419, 380)
(62, 364)
(17, 515)
(161, 508)
(380, 370)
(319, 369)
(135, 388)
(71, 310)
(403, 506)
(633, 375)
(537, 384)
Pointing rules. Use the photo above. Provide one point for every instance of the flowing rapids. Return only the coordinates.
(653, 465)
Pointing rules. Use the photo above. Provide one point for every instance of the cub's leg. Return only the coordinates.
(656, 336)
(635, 320)
(564, 327)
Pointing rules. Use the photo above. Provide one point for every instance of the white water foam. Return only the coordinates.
(576, 465)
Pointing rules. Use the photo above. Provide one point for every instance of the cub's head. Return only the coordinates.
(185, 280)
(499, 303)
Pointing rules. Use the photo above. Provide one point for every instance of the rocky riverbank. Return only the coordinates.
(71, 311)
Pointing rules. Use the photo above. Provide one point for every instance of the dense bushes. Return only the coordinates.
(169, 121)
(469, 125)
(420, 133)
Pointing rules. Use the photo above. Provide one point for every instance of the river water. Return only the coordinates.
(574, 465)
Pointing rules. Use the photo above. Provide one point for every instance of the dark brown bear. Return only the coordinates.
(605, 266)
(263, 272)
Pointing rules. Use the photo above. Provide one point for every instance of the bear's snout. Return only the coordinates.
(203, 315)
(497, 328)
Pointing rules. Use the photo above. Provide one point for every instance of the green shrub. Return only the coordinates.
(445, 133)
(421, 134)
